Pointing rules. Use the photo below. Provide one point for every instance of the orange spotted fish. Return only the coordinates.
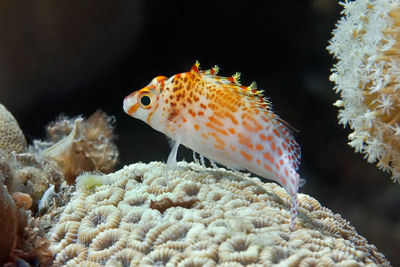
(222, 120)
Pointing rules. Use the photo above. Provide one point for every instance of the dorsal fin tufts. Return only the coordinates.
(215, 70)
(236, 78)
(195, 67)
(253, 86)
(233, 83)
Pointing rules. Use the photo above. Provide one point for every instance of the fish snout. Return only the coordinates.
(129, 101)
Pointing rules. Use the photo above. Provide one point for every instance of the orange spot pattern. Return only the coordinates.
(133, 108)
(151, 113)
(192, 113)
(219, 130)
(219, 140)
(279, 151)
(273, 147)
(286, 172)
(247, 156)
(231, 117)
(268, 157)
(267, 167)
(215, 121)
(217, 146)
(277, 166)
(250, 123)
(245, 141)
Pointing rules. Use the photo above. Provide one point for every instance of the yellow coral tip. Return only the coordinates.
(89, 181)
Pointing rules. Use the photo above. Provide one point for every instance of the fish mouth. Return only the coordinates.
(126, 105)
(130, 106)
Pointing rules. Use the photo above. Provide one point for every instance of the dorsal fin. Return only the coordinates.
(233, 83)
(288, 125)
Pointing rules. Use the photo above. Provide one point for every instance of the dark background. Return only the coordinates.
(75, 57)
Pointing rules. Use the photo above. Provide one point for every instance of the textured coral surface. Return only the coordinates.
(199, 217)
(11, 136)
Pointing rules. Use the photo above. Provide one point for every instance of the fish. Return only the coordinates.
(222, 120)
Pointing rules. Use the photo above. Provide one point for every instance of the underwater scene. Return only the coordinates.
(210, 133)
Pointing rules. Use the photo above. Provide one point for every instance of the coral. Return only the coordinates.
(74, 145)
(366, 44)
(242, 249)
(90, 181)
(22, 200)
(82, 145)
(71, 255)
(125, 257)
(11, 136)
(99, 219)
(8, 224)
(199, 217)
(30, 243)
(106, 244)
(65, 235)
(35, 177)
(29, 174)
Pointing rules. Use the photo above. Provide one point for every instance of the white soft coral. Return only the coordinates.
(366, 75)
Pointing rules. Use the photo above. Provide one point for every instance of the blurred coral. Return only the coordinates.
(11, 136)
(36, 178)
(8, 224)
(82, 145)
(74, 145)
(366, 44)
(30, 246)
(28, 173)
(47, 199)
(22, 200)
(199, 217)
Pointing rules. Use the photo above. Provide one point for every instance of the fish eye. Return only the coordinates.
(146, 97)
(145, 100)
